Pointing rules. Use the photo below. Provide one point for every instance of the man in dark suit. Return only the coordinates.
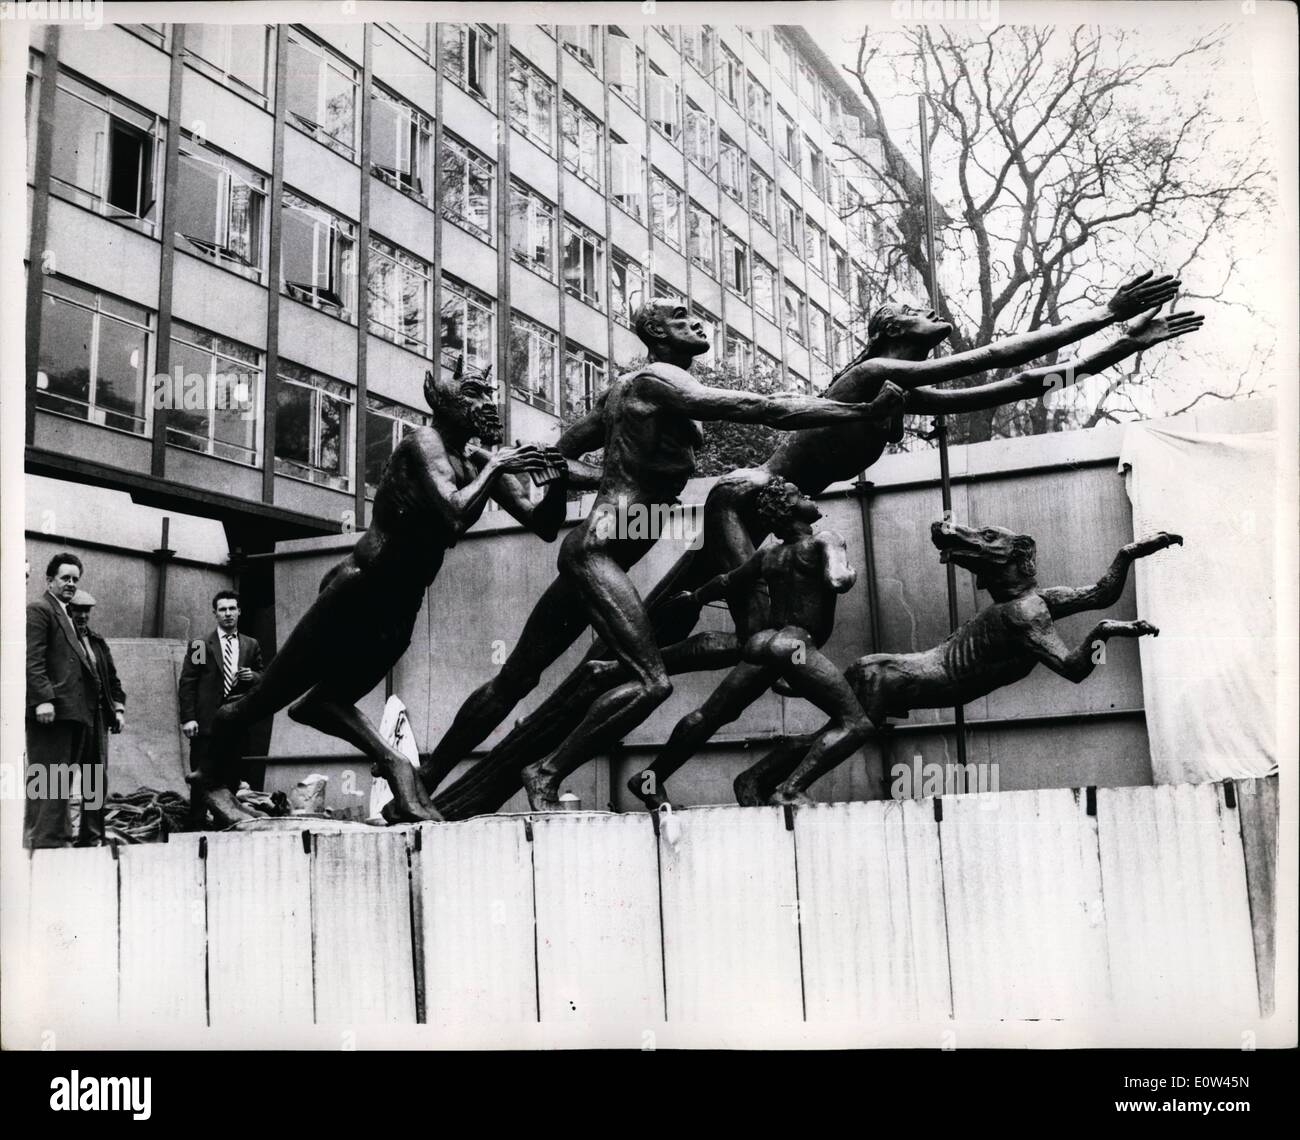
(110, 716)
(220, 669)
(62, 692)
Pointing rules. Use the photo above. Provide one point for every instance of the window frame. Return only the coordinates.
(582, 117)
(232, 170)
(342, 230)
(534, 80)
(585, 236)
(535, 203)
(221, 72)
(316, 129)
(407, 263)
(256, 367)
(319, 392)
(97, 416)
(472, 158)
(540, 334)
(420, 138)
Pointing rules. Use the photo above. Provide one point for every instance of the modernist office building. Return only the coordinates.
(294, 223)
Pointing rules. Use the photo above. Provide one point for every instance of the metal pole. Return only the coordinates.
(940, 425)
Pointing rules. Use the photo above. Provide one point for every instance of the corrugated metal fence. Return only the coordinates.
(1053, 904)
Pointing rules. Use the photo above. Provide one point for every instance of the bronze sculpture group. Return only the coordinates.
(781, 596)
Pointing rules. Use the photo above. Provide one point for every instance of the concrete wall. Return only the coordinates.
(1063, 489)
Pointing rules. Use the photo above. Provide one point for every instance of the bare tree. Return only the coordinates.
(1066, 160)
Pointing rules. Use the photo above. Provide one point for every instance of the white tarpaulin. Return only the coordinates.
(1210, 679)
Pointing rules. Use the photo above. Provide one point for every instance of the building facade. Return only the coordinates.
(250, 242)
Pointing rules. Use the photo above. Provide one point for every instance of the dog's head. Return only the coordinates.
(995, 555)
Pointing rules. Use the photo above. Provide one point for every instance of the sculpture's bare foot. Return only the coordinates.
(410, 803)
(795, 799)
(225, 808)
(646, 788)
(747, 790)
(541, 787)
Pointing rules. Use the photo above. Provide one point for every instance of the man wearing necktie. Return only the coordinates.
(217, 670)
(62, 694)
(110, 716)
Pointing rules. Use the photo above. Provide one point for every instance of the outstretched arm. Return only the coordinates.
(719, 587)
(543, 518)
(1077, 664)
(682, 393)
(1065, 600)
(459, 507)
(1139, 295)
(588, 434)
(1035, 381)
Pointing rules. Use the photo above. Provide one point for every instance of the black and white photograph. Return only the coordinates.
(800, 552)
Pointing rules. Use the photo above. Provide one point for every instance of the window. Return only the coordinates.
(703, 239)
(790, 227)
(814, 167)
(32, 111)
(830, 109)
(239, 55)
(798, 384)
(417, 37)
(584, 263)
(698, 47)
(788, 137)
(627, 280)
(665, 210)
(832, 187)
(761, 190)
(94, 356)
(584, 379)
(469, 59)
(467, 187)
(534, 362)
(532, 230)
(808, 85)
(626, 66)
(387, 424)
(730, 78)
(764, 287)
(313, 427)
(818, 332)
(321, 94)
(759, 102)
(318, 257)
(699, 137)
(532, 103)
(861, 288)
(785, 59)
(739, 353)
(581, 142)
(468, 333)
(398, 290)
(766, 367)
(627, 176)
(731, 169)
(795, 310)
(711, 327)
(840, 261)
(735, 264)
(815, 247)
(106, 155)
(155, 34)
(663, 104)
(229, 377)
(756, 36)
(841, 346)
(583, 42)
(662, 291)
(219, 210)
(401, 145)
(668, 31)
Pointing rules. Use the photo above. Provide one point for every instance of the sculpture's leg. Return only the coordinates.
(819, 681)
(619, 617)
(554, 624)
(336, 716)
(738, 690)
(492, 781)
(755, 785)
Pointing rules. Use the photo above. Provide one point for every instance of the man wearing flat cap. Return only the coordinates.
(110, 716)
